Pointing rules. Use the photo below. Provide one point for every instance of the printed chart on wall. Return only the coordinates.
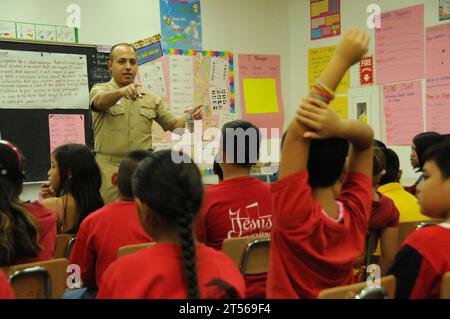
(181, 24)
(185, 78)
(438, 78)
(325, 18)
(318, 59)
(444, 10)
(39, 80)
(399, 45)
(260, 87)
(403, 112)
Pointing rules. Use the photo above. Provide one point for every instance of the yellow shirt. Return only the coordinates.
(126, 126)
(406, 203)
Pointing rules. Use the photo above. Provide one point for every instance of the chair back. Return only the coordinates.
(250, 254)
(130, 249)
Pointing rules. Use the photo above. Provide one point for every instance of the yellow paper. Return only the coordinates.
(317, 8)
(340, 106)
(318, 59)
(260, 96)
(332, 19)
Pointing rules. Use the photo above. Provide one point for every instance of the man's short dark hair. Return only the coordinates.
(126, 170)
(392, 167)
(111, 53)
(326, 161)
(440, 154)
(240, 142)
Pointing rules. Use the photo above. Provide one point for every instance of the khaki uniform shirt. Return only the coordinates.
(126, 126)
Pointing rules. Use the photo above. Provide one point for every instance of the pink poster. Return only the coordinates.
(438, 112)
(438, 57)
(260, 89)
(399, 45)
(66, 128)
(403, 112)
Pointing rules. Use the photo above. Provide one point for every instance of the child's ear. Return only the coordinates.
(399, 175)
(115, 179)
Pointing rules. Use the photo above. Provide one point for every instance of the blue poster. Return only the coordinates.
(181, 24)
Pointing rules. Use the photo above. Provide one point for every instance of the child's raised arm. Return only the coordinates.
(324, 123)
(353, 46)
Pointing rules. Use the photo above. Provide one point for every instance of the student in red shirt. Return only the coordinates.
(321, 216)
(240, 205)
(168, 192)
(385, 216)
(6, 291)
(425, 255)
(28, 229)
(103, 232)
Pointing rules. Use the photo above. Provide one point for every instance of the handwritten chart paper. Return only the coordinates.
(35, 80)
(219, 72)
(438, 112)
(181, 79)
(66, 128)
(403, 112)
(318, 59)
(325, 18)
(260, 87)
(438, 57)
(399, 45)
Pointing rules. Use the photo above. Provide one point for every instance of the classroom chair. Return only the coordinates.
(359, 291)
(406, 228)
(250, 254)
(70, 245)
(367, 257)
(445, 286)
(62, 243)
(130, 249)
(39, 280)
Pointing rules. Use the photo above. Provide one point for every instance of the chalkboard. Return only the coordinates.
(29, 128)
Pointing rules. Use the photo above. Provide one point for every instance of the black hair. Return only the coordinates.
(392, 167)
(440, 154)
(127, 168)
(111, 53)
(217, 170)
(379, 161)
(18, 230)
(240, 142)
(175, 193)
(423, 142)
(326, 161)
(379, 144)
(80, 176)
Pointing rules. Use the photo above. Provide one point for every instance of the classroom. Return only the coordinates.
(204, 66)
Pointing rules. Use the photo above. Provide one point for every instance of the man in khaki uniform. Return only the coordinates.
(123, 113)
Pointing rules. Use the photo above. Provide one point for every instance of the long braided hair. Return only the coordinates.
(174, 192)
(18, 231)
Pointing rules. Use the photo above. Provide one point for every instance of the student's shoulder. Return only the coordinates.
(51, 203)
(429, 237)
(294, 180)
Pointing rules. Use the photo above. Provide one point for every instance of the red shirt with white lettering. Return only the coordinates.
(158, 273)
(309, 250)
(100, 236)
(6, 291)
(237, 207)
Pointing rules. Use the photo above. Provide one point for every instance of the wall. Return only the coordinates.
(353, 14)
(250, 26)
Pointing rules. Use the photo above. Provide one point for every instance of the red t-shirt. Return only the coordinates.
(384, 214)
(237, 207)
(421, 263)
(158, 273)
(46, 223)
(6, 291)
(310, 251)
(100, 236)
